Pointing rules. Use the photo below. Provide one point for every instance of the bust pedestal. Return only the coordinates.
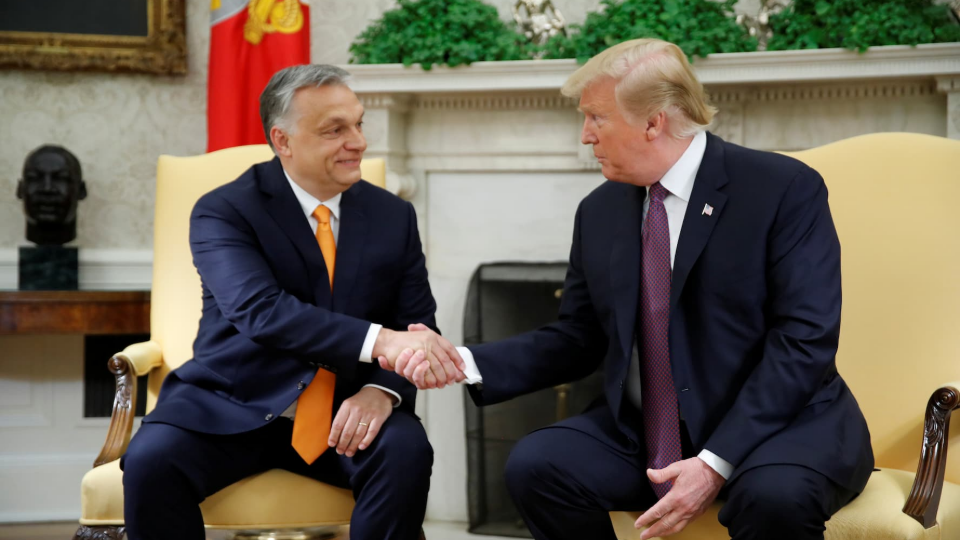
(48, 268)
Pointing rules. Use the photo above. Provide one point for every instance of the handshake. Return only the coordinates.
(422, 356)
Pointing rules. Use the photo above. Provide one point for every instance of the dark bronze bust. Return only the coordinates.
(51, 187)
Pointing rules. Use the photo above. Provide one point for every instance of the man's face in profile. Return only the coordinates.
(51, 186)
(620, 146)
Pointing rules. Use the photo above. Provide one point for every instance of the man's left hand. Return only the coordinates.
(695, 486)
(359, 420)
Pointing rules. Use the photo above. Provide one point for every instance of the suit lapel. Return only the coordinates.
(283, 206)
(625, 265)
(697, 226)
(350, 244)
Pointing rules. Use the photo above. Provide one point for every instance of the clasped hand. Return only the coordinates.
(695, 486)
(422, 356)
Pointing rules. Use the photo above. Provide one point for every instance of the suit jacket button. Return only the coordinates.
(301, 385)
(268, 417)
(621, 384)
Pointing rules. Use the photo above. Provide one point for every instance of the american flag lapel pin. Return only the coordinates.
(707, 210)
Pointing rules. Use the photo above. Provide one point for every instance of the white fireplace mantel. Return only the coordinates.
(816, 65)
(490, 156)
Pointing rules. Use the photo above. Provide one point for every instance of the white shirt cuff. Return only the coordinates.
(472, 373)
(716, 463)
(366, 352)
(389, 391)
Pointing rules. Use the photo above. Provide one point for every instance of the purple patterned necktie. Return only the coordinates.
(661, 419)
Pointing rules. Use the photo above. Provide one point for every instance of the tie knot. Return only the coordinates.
(658, 193)
(322, 213)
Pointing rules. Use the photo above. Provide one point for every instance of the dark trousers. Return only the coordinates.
(566, 478)
(169, 471)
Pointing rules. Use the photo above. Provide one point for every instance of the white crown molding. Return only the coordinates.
(948, 84)
(100, 269)
(494, 102)
(116, 269)
(828, 91)
(8, 269)
(527, 101)
(888, 62)
(396, 102)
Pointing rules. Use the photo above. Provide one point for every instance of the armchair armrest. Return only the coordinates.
(924, 499)
(135, 360)
(143, 357)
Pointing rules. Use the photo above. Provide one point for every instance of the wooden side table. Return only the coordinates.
(74, 312)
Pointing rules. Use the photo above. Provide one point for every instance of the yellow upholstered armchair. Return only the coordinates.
(895, 198)
(273, 500)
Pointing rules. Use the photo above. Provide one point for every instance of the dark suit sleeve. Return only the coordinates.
(231, 265)
(564, 351)
(803, 279)
(415, 304)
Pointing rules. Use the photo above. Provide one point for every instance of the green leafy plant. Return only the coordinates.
(858, 24)
(427, 32)
(699, 27)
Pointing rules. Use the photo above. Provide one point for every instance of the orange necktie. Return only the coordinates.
(311, 424)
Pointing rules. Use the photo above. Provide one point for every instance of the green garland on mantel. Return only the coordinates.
(858, 24)
(427, 32)
(457, 32)
(699, 27)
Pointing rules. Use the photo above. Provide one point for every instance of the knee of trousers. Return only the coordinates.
(773, 508)
(405, 453)
(528, 467)
(149, 470)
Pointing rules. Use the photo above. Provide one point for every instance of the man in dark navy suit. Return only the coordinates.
(306, 271)
(705, 278)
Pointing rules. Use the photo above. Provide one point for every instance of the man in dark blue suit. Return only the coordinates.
(306, 269)
(705, 278)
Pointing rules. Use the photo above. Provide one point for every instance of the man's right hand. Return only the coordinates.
(397, 350)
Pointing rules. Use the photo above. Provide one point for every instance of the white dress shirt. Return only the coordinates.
(309, 203)
(679, 182)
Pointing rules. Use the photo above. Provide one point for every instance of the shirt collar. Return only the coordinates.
(309, 203)
(679, 179)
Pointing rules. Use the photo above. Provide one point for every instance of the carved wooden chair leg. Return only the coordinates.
(109, 532)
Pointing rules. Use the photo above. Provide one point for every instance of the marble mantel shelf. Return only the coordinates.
(818, 65)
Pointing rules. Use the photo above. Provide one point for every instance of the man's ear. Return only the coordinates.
(20, 189)
(656, 125)
(82, 192)
(281, 143)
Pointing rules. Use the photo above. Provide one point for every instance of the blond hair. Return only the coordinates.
(652, 76)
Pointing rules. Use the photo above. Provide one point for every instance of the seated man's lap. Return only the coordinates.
(201, 463)
(587, 457)
(163, 454)
(780, 497)
(400, 451)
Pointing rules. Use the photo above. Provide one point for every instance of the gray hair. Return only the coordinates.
(277, 97)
